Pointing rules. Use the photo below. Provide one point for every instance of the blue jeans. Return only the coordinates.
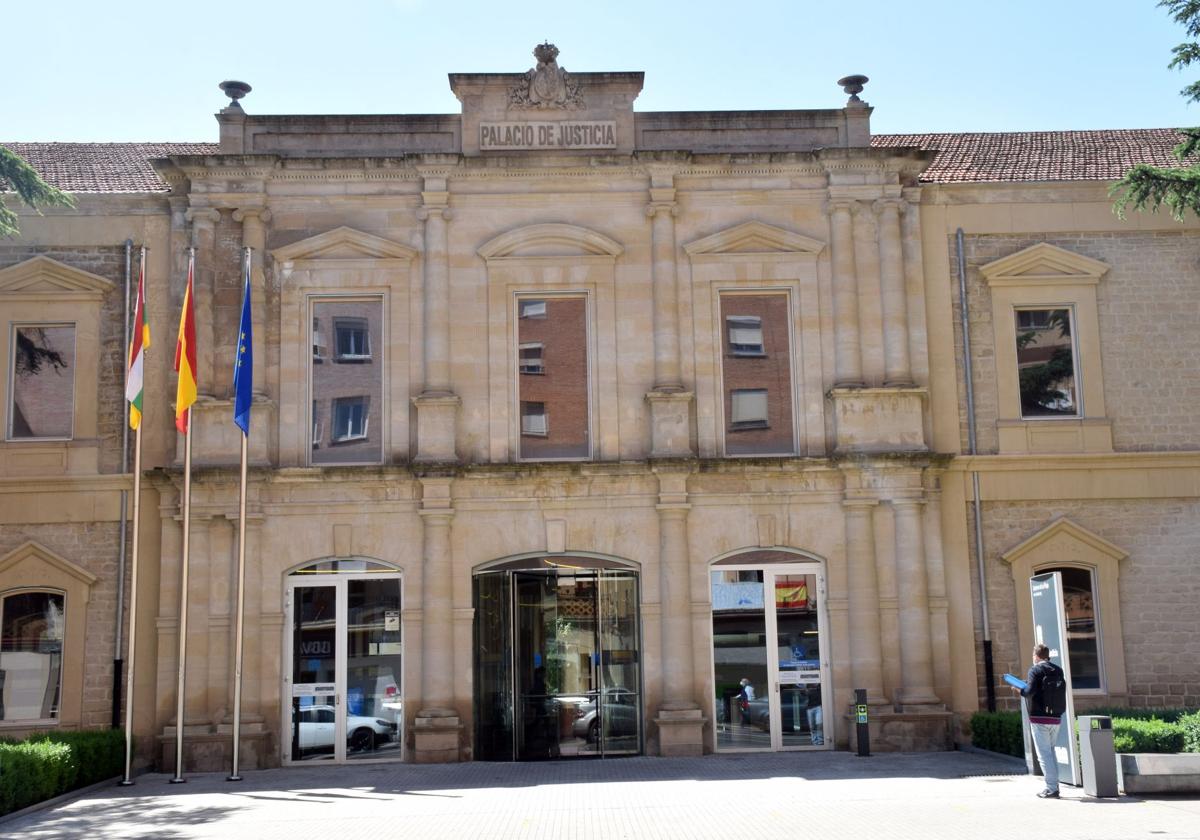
(1045, 735)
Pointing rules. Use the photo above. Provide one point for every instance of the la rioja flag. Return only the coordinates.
(137, 353)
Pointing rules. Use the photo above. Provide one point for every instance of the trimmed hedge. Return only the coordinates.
(1146, 736)
(1134, 731)
(999, 732)
(33, 771)
(1191, 732)
(50, 764)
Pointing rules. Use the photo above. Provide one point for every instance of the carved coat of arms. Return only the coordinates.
(546, 86)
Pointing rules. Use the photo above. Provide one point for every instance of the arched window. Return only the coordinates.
(32, 625)
(1090, 568)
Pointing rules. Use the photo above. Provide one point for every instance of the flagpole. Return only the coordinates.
(183, 583)
(241, 589)
(133, 560)
(133, 584)
(183, 600)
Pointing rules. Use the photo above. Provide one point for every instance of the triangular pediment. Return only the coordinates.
(42, 275)
(1044, 263)
(344, 243)
(1064, 541)
(754, 238)
(550, 240)
(32, 551)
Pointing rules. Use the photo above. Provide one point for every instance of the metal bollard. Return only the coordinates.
(861, 730)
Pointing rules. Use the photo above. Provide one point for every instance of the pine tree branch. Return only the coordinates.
(1149, 188)
(23, 179)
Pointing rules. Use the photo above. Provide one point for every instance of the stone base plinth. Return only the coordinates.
(216, 441)
(670, 424)
(904, 731)
(435, 738)
(206, 751)
(879, 419)
(437, 416)
(680, 732)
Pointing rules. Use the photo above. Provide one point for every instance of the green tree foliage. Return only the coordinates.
(1147, 187)
(17, 175)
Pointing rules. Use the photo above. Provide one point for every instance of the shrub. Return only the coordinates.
(33, 771)
(1191, 732)
(49, 764)
(999, 732)
(1168, 715)
(1147, 736)
(100, 753)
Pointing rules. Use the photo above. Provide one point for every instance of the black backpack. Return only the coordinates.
(1053, 695)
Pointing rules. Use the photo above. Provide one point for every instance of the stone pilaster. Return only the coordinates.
(680, 721)
(254, 236)
(893, 299)
(866, 656)
(437, 725)
(935, 567)
(437, 405)
(204, 223)
(847, 342)
(670, 403)
(916, 652)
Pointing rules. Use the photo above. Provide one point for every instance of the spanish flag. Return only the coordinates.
(185, 354)
(137, 352)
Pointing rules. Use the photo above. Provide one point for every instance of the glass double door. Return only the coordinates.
(557, 670)
(343, 698)
(769, 657)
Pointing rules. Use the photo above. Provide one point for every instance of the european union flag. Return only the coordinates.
(243, 363)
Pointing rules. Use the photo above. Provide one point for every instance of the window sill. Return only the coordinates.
(352, 439)
(748, 427)
(1054, 435)
(39, 723)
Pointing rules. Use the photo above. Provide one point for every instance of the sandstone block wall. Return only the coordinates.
(1150, 347)
(94, 546)
(1159, 589)
(109, 263)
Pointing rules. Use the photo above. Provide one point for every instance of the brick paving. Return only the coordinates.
(743, 797)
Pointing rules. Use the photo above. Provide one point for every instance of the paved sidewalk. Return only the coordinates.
(729, 797)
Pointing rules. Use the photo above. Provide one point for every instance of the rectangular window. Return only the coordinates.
(350, 419)
(532, 308)
(745, 335)
(531, 359)
(533, 419)
(346, 397)
(42, 382)
(1046, 363)
(353, 339)
(31, 651)
(756, 370)
(552, 377)
(749, 408)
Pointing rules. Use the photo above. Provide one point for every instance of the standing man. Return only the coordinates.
(1045, 686)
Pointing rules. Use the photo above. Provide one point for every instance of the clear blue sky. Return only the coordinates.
(84, 70)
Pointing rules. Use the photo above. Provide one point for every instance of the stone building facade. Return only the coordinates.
(745, 328)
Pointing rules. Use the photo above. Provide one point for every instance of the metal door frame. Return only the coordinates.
(771, 629)
(339, 581)
(635, 575)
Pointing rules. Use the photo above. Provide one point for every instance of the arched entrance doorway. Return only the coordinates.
(770, 652)
(342, 698)
(557, 659)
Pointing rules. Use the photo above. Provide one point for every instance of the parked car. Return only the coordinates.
(362, 733)
(619, 708)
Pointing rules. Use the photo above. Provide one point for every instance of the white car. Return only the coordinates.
(362, 733)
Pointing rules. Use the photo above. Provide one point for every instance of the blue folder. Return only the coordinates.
(1015, 682)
